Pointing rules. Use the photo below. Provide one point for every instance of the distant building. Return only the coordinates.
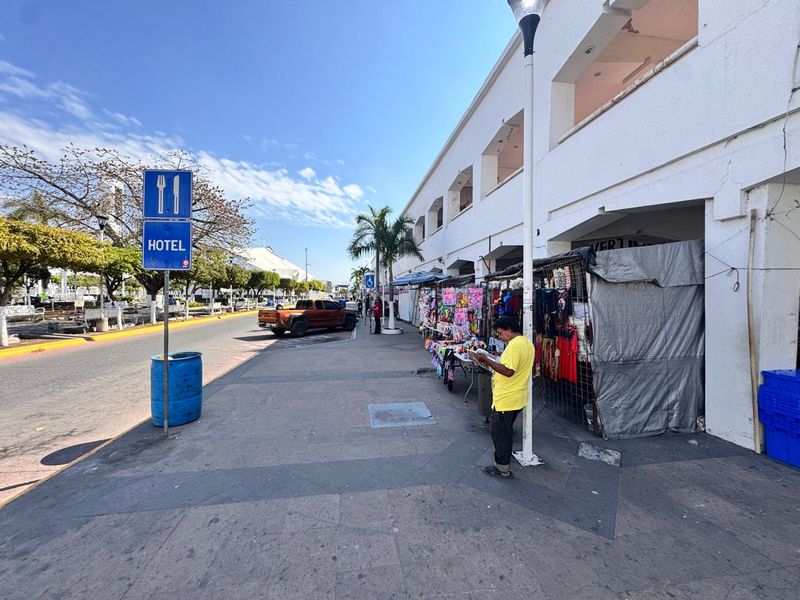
(265, 259)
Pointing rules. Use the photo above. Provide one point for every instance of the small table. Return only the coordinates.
(469, 365)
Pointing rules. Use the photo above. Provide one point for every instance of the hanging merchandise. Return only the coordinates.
(476, 297)
(449, 296)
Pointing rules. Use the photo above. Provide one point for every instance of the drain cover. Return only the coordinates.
(400, 414)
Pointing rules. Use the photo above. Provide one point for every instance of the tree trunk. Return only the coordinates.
(391, 299)
(153, 316)
(3, 327)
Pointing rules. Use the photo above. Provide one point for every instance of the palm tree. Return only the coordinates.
(399, 242)
(357, 277)
(369, 236)
(388, 242)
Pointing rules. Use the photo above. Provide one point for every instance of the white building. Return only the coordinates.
(655, 120)
(265, 259)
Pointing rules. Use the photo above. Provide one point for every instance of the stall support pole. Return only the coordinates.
(526, 457)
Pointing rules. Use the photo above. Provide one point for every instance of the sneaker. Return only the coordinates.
(492, 471)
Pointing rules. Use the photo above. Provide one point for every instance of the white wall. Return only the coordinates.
(708, 127)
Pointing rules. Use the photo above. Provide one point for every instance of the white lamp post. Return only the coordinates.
(102, 325)
(528, 14)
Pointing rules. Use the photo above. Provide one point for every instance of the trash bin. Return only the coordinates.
(185, 388)
(484, 393)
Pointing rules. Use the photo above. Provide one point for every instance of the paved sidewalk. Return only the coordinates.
(284, 490)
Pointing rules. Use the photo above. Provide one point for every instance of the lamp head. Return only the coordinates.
(523, 8)
(101, 221)
(528, 13)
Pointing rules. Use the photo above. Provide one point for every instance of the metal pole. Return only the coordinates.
(166, 354)
(102, 311)
(526, 457)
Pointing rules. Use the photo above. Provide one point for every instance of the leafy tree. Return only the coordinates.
(302, 287)
(286, 285)
(25, 247)
(83, 280)
(236, 276)
(316, 285)
(259, 281)
(118, 266)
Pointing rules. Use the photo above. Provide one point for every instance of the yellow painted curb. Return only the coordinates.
(42, 347)
(115, 335)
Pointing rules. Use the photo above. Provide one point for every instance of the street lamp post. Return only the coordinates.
(102, 324)
(528, 14)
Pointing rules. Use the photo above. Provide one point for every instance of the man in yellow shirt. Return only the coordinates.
(509, 390)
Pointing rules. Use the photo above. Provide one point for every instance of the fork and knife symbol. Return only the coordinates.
(161, 184)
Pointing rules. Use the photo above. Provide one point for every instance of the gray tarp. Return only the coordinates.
(647, 307)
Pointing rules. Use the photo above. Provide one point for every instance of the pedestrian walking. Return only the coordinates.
(360, 306)
(367, 306)
(377, 309)
(510, 378)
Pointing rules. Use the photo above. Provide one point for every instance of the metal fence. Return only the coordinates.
(563, 340)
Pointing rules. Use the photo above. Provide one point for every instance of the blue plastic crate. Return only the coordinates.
(787, 381)
(779, 420)
(783, 445)
(777, 401)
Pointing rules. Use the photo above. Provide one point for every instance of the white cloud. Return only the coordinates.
(123, 119)
(276, 195)
(20, 83)
(354, 191)
(372, 189)
(308, 173)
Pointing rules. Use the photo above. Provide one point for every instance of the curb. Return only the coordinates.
(42, 347)
(114, 335)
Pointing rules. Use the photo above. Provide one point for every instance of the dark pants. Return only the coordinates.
(502, 426)
(377, 324)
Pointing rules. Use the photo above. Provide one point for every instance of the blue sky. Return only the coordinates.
(314, 109)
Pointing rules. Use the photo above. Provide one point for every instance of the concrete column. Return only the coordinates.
(776, 297)
(488, 174)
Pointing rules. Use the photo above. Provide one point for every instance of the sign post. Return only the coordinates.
(167, 241)
(369, 281)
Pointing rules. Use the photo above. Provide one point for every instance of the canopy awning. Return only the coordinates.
(418, 278)
(587, 255)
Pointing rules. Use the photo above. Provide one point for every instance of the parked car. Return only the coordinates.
(306, 315)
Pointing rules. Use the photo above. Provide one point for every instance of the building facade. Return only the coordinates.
(655, 121)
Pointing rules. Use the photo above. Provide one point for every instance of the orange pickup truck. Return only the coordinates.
(307, 314)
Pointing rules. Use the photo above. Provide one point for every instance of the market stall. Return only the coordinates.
(618, 335)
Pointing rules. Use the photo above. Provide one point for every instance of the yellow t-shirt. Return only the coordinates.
(511, 393)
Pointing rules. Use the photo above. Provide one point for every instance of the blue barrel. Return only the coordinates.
(185, 388)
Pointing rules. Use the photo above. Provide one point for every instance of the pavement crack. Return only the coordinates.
(152, 558)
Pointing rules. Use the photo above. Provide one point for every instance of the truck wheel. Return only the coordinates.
(278, 332)
(349, 323)
(299, 328)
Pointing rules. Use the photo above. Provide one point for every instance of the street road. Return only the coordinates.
(52, 401)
